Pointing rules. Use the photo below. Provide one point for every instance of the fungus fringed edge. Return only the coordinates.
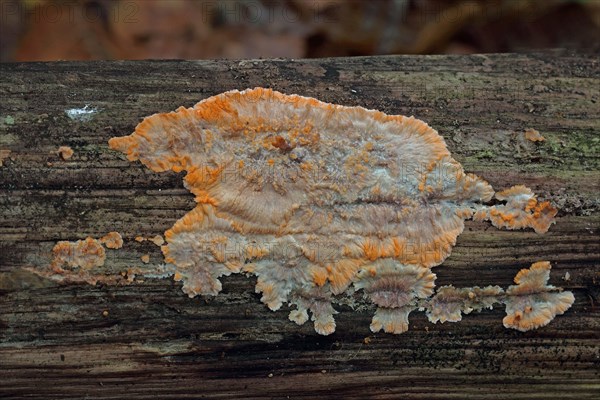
(522, 210)
(449, 303)
(395, 289)
(532, 303)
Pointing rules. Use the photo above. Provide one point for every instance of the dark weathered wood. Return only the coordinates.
(57, 342)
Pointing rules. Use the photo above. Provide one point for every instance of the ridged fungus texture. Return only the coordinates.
(449, 303)
(522, 210)
(395, 289)
(317, 200)
(532, 303)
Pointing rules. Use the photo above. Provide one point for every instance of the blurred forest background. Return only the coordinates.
(44, 30)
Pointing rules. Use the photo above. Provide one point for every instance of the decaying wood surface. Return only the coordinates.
(149, 340)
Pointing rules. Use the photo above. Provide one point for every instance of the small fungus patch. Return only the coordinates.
(522, 210)
(4, 154)
(65, 152)
(532, 303)
(157, 239)
(76, 261)
(533, 135)
(84, 254)
(112, 240)
(79, 261)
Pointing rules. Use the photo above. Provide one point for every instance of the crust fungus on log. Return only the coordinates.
(316, 198)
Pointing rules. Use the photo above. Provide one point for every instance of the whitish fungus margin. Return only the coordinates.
(320, 200)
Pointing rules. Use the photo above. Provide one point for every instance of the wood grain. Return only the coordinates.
(149, 340)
